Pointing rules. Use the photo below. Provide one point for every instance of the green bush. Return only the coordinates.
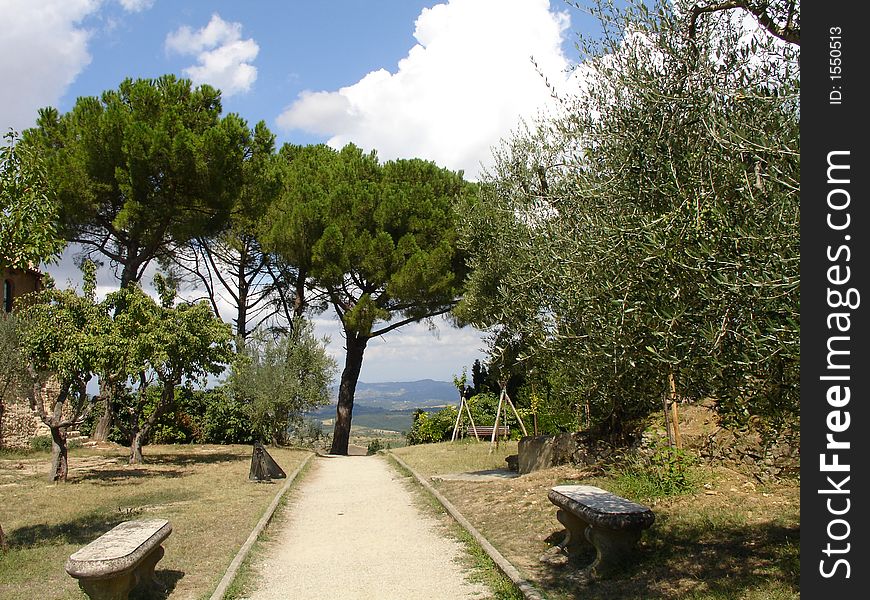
(666, 472)
(41, 443)
(434, 427)
(374, 446)
(309, 434)
(226, 420)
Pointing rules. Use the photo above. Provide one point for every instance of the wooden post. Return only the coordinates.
(495, 426)
(458, 416)
(667, 416)
(516, 414)
(470, 418)
(674, 414)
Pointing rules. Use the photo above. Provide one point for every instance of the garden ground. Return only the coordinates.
(203, 490)
(731, 538)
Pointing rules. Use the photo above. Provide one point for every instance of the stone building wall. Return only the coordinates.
(19, 424)
(14, 283)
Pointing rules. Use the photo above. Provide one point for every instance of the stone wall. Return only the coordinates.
(578, 448)
(19, 425)
(746, 451)
(16, 283)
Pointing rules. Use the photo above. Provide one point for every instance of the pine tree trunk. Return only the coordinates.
(59, 460)
(356, 347)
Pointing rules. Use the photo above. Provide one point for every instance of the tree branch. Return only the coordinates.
(788, 32)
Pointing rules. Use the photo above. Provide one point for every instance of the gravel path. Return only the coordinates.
(353, 532)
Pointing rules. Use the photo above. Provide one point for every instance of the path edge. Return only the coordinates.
(527, 589)
(243, 552)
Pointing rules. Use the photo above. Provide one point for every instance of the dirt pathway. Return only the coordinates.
(352, 531)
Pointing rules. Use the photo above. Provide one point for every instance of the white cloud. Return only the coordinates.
(224, 58)
(463, 87)
(136, 5)
(44, 48)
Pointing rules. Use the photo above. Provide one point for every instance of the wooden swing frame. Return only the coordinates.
(503, 396)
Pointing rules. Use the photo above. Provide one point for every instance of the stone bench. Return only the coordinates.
(122, 558)
(612, 524)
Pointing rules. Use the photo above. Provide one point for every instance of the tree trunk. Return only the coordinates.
(130, 271)
(356, 346)
(136, 444)
(242, 307)
(141, 432)
(59, 460)
(104, 425)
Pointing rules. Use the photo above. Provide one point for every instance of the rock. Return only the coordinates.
(544, 451)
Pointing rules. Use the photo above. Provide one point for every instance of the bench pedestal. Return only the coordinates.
(120, 586)
(121, 559)
(613, 525)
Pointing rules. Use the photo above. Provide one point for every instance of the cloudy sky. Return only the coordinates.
(444, 81)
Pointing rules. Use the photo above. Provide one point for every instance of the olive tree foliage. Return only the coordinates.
(279, 377)
(650, 231)
(140, 168)
(378, 239)
(28, 212)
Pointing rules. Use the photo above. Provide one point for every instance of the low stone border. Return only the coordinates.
(501, 562)
(243, 552)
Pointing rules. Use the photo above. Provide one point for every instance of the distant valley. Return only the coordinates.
(391, 405)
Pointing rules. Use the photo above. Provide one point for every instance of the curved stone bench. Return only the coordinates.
(613, 525)
(122, 558)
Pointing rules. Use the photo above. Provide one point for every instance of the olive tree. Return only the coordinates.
(277, 378)
(650, 232)
(60, 333)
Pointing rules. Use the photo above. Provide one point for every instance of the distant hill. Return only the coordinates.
(391, 405)
(404, 395)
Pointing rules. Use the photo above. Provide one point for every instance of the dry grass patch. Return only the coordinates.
(733, 539)
(457, 457)
(202, 490)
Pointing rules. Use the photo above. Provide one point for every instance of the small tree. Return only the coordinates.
(279, 378)
(165, 345)
(60, 335)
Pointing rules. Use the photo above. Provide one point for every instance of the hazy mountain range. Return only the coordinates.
(403, 395)
(391, 405)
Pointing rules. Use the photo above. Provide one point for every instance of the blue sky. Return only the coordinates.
(443, 81)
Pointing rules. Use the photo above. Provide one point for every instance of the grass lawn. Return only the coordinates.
(734, 538)
(202, 490)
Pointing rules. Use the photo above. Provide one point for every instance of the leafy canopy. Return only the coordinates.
(28, 212)
(141, 166)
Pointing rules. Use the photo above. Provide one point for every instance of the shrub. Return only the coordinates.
(374, 446)
(41, 443)
(434, 427)
(666, 472)
(310, 434)
(226, 420)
